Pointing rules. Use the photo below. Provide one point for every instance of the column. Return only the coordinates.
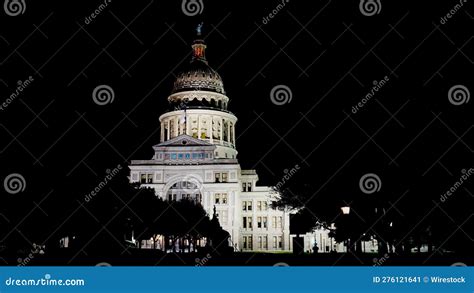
(228, 132)
(233, 133)
(188, 125)
(210, 130)
(222, 131)
(162, 131)
(199, 126)
(169, 130)
(176, 126)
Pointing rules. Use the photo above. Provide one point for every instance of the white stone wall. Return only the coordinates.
(231, 212)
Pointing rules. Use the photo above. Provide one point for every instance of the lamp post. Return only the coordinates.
(345, 211)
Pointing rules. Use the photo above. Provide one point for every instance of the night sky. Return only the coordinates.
(327, 53)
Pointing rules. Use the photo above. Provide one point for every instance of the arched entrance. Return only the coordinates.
(184, 187)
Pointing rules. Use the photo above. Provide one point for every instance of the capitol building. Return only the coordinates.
(197, 159)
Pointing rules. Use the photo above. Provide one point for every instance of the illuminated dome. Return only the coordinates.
(198, 85)
(198, 75)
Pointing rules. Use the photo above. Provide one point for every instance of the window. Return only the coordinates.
(217, 198)
(260, 244)
(224, 198)
(221, 177)
(274, 242)
(265, 206)
(146, 178)
(274, 222)
(280, 242)
(265, 240)
(188, 156)
(244, 186)
(249, 186)
(173, 156)
(259, 205)
(247, 222)
(264, 220)
(180, 156)
(279, 222)
(247, 242)
(259, 222)
(247, 205)
(195, 156)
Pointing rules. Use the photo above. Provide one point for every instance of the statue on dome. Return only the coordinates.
(199, 29)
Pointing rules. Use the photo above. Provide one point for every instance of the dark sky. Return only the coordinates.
(327, 52)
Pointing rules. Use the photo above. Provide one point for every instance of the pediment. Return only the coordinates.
(183, 140)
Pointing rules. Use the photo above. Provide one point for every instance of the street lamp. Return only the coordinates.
(346, 210)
